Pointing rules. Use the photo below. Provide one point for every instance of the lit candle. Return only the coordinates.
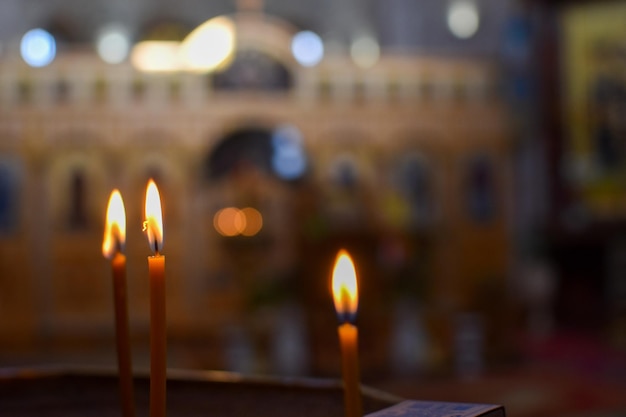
(345, 295)
(112, 245)
(153, 226)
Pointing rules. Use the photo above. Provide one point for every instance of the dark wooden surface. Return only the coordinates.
(68, 394)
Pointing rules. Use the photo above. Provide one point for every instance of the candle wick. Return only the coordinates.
(156, 248)
(115, 236)
(118, 245)
(346, 317)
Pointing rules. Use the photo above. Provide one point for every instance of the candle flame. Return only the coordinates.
(153, 223)
(344, 287)
(115, 226)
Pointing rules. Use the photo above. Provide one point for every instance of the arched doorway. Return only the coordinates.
(277, 152)
(250, 176)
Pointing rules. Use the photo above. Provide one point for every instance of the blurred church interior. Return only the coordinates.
(469, 154)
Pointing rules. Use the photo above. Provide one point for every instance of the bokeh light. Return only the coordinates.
(463, 18)
(113, 44)
(307, 48)
(156, 56)
(210, 46)
(254, 221)
(38, 48)
(232, 221)
(229, 221)
(288, 160)
(365, 51)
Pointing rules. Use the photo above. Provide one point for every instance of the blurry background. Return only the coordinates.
(468, 153)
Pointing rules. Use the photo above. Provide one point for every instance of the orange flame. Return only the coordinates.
(344, 286)
(115, 226)
(153, 223)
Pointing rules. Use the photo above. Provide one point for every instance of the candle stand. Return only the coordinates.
(54, 392)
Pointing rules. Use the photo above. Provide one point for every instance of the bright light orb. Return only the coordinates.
(289, 164)
(307, 48)
(365, 51)
(229, 221)
(38, 48)
(288, 160)
(113, 44)
(156, 56)
(210, 46)
(463, 18)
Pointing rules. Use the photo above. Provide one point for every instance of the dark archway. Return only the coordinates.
(243, 148)
(277, 152)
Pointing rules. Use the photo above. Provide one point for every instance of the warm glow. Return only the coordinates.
(153, 223)
(229, 221)
(115, 226)
(344, 286)
(253, 221)
(210, 46)
(156, 56)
